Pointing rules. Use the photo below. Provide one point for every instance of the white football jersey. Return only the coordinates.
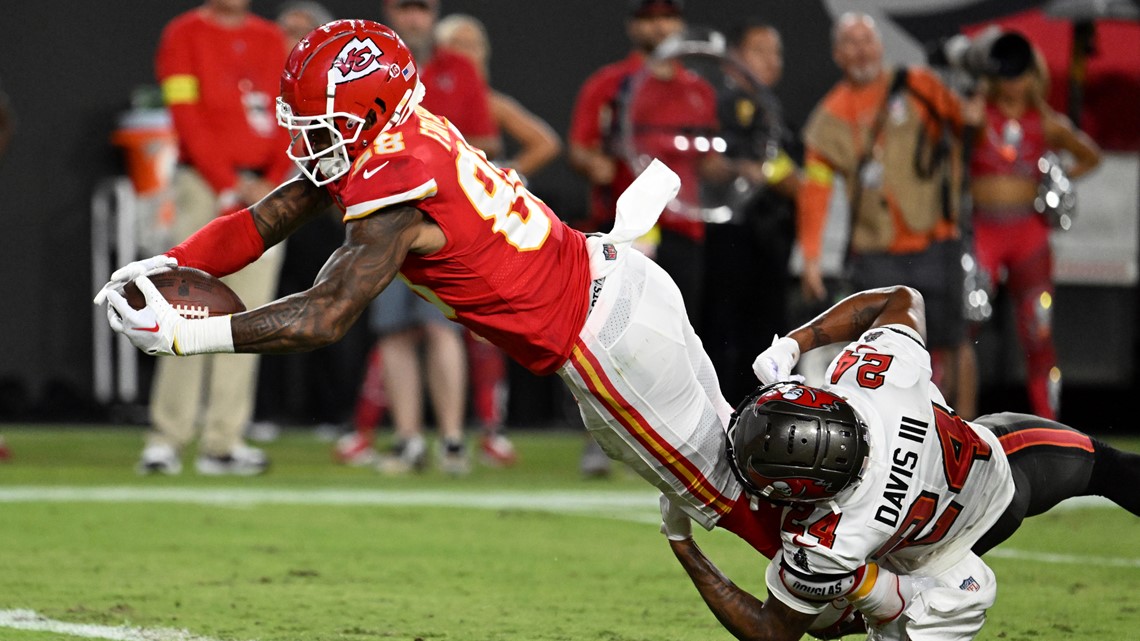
(932, 484)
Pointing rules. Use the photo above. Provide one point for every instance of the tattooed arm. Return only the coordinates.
(738, 611)
(373, 250)
(857, 313)
(229, 242)
(844, 322)
(287, 208)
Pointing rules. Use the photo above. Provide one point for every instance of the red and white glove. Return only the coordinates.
(131, 271)
(675, 524)
(775, 364)
(158, 329)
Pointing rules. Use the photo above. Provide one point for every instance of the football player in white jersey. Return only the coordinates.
(889, 496)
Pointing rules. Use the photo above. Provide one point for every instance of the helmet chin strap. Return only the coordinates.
(330, 97)
(408, 103)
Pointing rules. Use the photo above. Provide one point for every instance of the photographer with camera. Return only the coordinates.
(894, 136)
(1016, 188)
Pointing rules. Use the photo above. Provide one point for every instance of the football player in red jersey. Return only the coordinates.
(421, 204)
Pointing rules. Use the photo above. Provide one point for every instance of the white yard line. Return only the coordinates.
(552, 500)
(555, 501)
(29, 620)
(634, 506)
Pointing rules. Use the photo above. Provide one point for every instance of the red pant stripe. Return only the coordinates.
(631, 419)
(1021, 439)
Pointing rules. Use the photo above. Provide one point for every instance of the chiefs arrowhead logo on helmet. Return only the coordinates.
(357, 59)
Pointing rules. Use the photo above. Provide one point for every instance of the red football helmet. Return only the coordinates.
(344, 84)
(789, 442)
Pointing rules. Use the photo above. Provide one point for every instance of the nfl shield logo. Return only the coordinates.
(970, 585)
(609, 252)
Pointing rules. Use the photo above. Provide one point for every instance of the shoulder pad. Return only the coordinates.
(383, 181)
(910, 362)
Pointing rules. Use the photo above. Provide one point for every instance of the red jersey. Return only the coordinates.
(220, 84)
(510, 271)
(1009, 146)
(592, 126)
(669, 118)
(455, 91)
(684, 104)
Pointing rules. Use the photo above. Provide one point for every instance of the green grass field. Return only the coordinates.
(317, 552)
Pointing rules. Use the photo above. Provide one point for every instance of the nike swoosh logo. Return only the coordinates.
(368, 173)
(146, 329)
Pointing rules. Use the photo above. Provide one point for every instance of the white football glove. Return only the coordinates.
(675, 524)
(775, 364)
(131, 271)
(158, 329)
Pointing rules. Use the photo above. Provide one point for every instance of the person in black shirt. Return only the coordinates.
(747, 277)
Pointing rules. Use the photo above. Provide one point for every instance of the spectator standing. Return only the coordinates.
(1010, 236)
(537, 145)
(746, 258)
(298, 17)
(893, 135)
(403, 321)
(451, 80)
(596, 138)
(669, 101)
(537, 142)
(219, 68)
(593, 138)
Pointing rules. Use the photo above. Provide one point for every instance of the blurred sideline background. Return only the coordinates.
(71, 74)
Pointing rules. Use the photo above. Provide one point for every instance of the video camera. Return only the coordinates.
(993, 52)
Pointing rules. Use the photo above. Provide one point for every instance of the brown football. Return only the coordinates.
(193, 293)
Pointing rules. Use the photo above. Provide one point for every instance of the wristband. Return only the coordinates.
(878, 597)
(207, 336)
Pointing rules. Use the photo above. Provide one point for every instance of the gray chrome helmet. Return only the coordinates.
(790, 442)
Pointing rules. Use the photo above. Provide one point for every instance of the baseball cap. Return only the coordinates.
(650, 8)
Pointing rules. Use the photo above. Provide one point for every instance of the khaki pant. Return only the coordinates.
(214, 392)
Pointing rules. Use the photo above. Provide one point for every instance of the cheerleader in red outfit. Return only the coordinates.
(1011, 238)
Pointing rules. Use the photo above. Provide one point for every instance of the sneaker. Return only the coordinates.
(263, 431)
(405, 457)
(453, 459)
(242, 460)
(594, 463)
(354, 450)
(497, 450)
(159, 458)
(5, 452)
(327, 432)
